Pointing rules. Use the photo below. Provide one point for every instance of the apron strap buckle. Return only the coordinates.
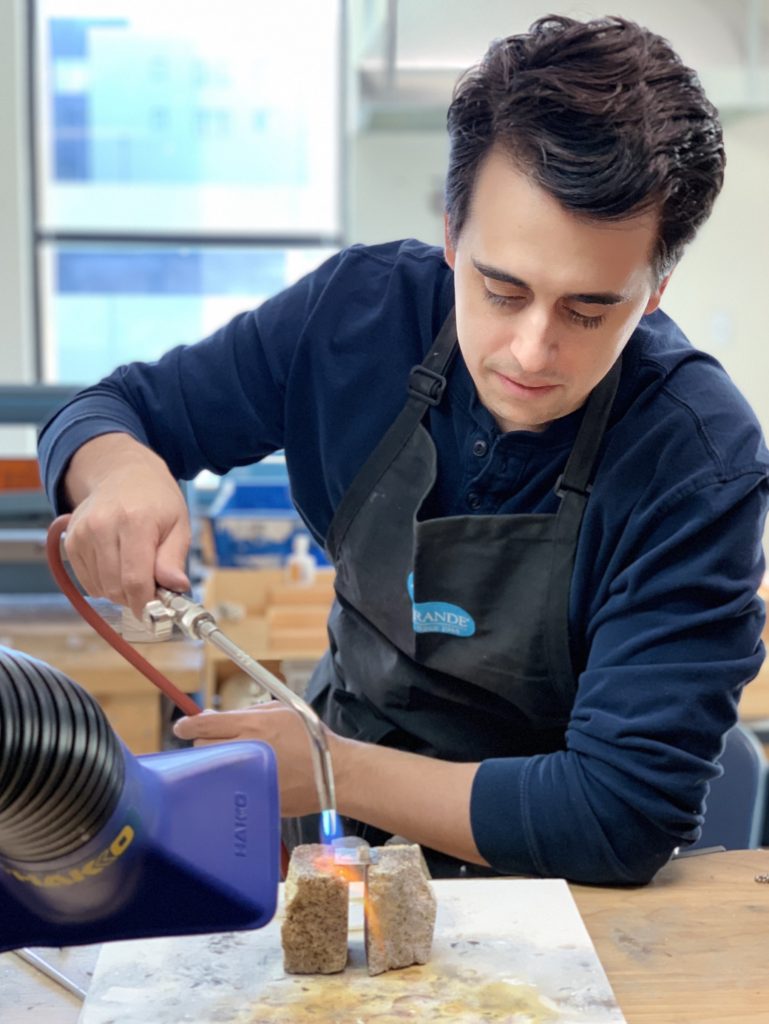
(426, 385)
(562, 486)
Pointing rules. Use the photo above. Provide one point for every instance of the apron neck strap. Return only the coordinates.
(427, 380)
(573, 488)
(425, 388)
(579, 466)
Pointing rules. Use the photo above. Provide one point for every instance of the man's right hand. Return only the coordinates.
(130, 527)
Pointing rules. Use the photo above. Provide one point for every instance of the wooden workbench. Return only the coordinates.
(690, 948)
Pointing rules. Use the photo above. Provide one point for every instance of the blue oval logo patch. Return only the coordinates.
(439, 616)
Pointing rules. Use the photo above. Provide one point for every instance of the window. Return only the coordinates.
(188, 166)
(111, 303)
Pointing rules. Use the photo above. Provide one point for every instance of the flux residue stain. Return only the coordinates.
(412, 994)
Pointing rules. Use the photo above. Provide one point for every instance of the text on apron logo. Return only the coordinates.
(439, 616)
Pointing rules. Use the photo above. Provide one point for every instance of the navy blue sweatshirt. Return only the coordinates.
(664, 620)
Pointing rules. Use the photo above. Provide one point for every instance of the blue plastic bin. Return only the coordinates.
(254, 522)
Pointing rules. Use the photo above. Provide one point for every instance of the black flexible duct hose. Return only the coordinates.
(61, 766)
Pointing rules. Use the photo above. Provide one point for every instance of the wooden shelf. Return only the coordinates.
(50, 630)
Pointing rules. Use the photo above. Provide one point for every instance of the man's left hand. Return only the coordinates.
(274, 724)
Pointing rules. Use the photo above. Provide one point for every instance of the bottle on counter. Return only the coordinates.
(301, 564)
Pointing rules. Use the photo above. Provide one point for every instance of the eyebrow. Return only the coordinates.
(588, 298)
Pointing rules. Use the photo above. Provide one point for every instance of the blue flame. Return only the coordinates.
(330, 826)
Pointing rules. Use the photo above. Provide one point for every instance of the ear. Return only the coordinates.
(449, 252)
(656, 296)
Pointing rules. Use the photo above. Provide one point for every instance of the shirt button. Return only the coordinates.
(474, 500)
(480, 448)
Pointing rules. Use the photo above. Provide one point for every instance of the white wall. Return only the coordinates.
(719, 293)
(396, 186)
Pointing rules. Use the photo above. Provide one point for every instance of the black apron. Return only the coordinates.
(449, 637)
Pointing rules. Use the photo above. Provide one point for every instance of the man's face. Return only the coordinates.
(545, 302)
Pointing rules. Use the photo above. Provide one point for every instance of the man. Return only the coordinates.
(547, 537)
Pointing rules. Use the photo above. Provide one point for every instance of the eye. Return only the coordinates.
(589, 322)
(503, 301)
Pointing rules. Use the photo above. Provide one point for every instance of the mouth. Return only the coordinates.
(523, 390)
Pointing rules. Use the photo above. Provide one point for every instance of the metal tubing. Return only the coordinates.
(199, 623)
(50, 971)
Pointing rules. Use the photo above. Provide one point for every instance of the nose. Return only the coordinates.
(532, 344)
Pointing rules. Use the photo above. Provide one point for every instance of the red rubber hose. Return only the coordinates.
(182, 700)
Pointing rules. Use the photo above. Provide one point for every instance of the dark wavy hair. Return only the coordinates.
(603, 115)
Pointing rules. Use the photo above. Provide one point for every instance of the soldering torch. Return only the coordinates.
(197, 622)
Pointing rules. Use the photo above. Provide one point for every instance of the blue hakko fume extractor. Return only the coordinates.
(96, 844)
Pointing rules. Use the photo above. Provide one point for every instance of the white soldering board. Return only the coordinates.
(505, 950)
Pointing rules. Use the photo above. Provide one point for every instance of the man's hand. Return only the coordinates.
(422, 798)
(130, 526)
(277, 725)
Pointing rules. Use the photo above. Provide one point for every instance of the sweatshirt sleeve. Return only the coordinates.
(674, 640)
(214, 405)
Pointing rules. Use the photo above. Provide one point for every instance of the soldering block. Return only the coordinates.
(399, 909)
(314, 929)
